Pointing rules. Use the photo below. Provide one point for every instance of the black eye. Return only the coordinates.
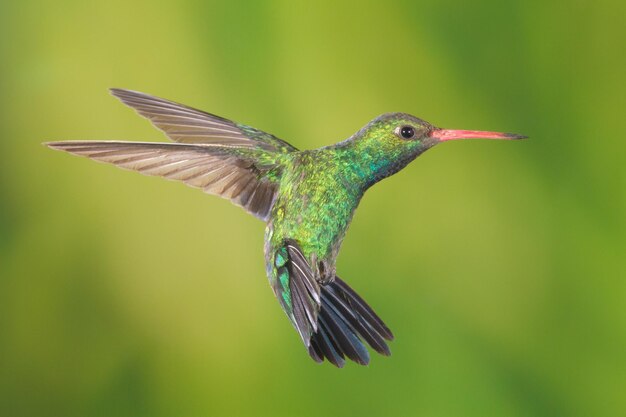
(407, 132)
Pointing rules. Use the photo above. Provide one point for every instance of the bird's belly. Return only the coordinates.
(316, 218)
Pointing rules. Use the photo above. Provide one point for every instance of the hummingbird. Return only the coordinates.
(306, 198)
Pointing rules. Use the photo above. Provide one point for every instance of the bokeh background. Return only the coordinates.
(499, 265)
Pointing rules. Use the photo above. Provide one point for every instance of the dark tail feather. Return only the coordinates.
(345, 322)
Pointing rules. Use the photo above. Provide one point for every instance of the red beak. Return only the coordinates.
(446, 134)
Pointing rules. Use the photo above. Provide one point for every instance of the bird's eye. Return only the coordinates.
(407, 132)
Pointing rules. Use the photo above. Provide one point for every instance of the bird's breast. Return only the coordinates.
(314, 207)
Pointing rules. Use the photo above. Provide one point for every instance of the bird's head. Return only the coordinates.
(389, 142)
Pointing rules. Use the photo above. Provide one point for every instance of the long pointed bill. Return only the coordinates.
(446, 134)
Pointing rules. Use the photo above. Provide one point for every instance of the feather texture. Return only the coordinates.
(297, 289)
(240, 175)
(345, 322)
(310, 196)
(333, 321)
(188, 125)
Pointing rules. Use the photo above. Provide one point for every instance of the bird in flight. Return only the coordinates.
(306, 198)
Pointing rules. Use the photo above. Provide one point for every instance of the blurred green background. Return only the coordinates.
(499, 265)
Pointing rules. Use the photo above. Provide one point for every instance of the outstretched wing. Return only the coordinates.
(248, 177)
(332, 320)
(222, 157)
(188, 125)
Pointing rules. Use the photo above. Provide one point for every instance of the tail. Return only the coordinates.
(332, 320)
(344, 322)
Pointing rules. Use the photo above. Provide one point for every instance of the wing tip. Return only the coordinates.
(124, 94)
(58, 145)
(116, 91)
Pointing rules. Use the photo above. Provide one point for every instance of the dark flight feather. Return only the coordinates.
(347, 320)
(345, 338)
(356, 323)
(328, 346)
(362, 309)
(297, 289)
(332, 320)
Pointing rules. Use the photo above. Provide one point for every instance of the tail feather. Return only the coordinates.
(359, 326)
(345, 322)
(364, 309)
(327, 346)
(344, 336)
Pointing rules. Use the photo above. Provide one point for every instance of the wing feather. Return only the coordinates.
(233, 173)
(188, 125)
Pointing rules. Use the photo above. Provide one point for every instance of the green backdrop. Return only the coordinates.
(500, 266)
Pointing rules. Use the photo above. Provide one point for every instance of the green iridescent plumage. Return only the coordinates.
(307, 198)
